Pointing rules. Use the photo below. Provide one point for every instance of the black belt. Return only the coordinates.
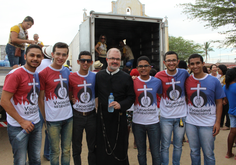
(85, 113)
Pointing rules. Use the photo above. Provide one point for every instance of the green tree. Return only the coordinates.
(184, 48)
(207, 48)
(216, 13)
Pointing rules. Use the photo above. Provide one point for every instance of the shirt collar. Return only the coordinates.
(112, 73)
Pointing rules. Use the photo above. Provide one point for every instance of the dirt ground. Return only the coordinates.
(6, 157)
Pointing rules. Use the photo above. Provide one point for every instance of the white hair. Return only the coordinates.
(115, 49)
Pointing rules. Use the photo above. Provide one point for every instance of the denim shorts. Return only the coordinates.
(232, 121)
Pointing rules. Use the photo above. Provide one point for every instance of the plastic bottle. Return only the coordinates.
(110, 99)
(21, 135)
(6, 62)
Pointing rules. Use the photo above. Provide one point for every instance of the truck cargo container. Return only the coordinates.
(144, 35)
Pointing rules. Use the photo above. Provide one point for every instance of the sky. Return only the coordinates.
(60, 20)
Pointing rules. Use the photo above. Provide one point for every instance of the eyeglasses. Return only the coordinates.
(103, 38)
(113, 59)
(143, 66)
(197, 63)
(169, 61)
(83, 60)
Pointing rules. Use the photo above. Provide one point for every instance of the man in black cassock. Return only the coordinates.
(112, 130)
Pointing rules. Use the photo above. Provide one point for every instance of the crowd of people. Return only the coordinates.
(172, 101)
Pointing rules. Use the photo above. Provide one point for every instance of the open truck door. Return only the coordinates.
(144, 35)
(81, 42)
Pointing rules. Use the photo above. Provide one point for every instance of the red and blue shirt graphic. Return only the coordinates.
(83, 88)
(201, 95)
(55, 83)
(145, 105)
(25, 86)
(173, 104)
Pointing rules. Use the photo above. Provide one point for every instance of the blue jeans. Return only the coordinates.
(30, 144)
(60, 131)
(46, 144)
(140, 134)
(232, 121)
(201, 137)
(10, 50)
(81, 123)
(169, 125)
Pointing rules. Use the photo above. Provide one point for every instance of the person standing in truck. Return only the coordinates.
(127, 53)
(101, 49)
(20, 100)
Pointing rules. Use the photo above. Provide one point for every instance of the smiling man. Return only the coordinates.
(20, 100)
(82, 87)
(214, 69)
(57, 111)
(173, 107)
(204, 95)
(146, 114)
(112, 130)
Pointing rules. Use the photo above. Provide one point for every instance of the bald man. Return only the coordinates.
(36, 38)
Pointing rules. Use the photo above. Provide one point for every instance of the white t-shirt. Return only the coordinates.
(217, 76)
(173, 104)
(202, 94)
(145, 105)
(55, 83)
(25, 86)
(83, 88)
(43, 65)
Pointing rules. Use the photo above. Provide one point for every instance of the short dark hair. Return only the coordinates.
(84, 53)
(213, 65)
(182, 64)
(29, 19)
(153, 72)
(204, 68)
(230, 76)
(169, 53)
(60, 45)
(223, 68)
(195, 56)
(143, 58)
(33, 46)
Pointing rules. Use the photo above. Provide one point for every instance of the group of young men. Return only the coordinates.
(67, 104)
(188, 103)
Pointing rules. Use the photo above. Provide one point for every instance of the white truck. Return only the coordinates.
(144, 35)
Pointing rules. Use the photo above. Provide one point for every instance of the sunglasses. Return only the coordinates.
(83, 60)
(103, 38)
